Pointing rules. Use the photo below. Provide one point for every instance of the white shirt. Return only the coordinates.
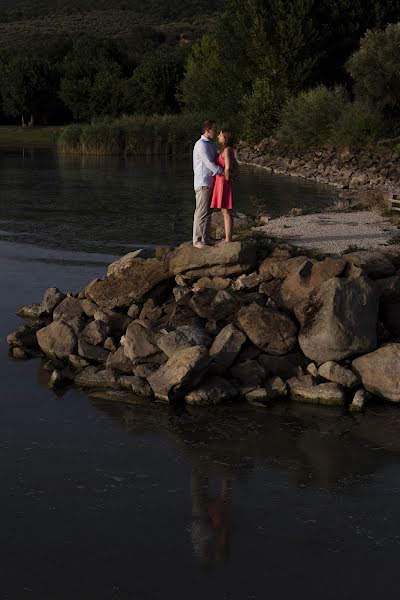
(204, 167)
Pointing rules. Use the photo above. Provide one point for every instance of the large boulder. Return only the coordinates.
(270, 330)
(373, 263)
(213, 391)
(227, 346)
(214, 261)
(119, 361)
(306, 389)
(279, 267)
(139, 341)
(182, 372)
(124, 262)
(51, 299)
(380, 372)
(57, 340)
(68, 309)
(300, 283)
(339, 320)
(128, 285)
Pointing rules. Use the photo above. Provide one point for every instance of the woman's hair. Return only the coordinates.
(229, 137)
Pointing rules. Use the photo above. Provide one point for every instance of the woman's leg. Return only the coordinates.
(228, 223)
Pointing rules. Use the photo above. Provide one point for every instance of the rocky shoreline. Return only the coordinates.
(343, 168)
(244, 321)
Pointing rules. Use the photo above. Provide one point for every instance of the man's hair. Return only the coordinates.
(209, 124)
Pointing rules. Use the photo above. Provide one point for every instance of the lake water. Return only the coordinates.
(108, 502)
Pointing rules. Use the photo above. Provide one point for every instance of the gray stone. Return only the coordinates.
(216, 261)
(182, 372)
(68, 309)
(57, 340)
(227, 346)
(96, 378)
(116, 322)
(109, 345)
(25, 337)
(77, 362)
(274, 388)
(51, 299)
(214, 305)
(89, 308)
(338, 374)
(372, 263)
(286, 367)
(198, 336)
(312, 369)
(339, 320)
(305, 389)
(280, 268)
(30, 311)
(214, 390)
(134, 311)
(139, 341)
(250, 375)
(379, 372)
(119, 396)
(77, 325)
(20, 354)
(268, 329)
(181, 292)
(95, 333)
(173, 342)
(215, 283)
(250, 282)
(124, 262)
(140, 387)
(120, 362)
(360, 399)
(151, 311)
(95, 353)
(129, 285)
(145, 370)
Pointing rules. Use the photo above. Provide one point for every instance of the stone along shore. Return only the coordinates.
(244, 320)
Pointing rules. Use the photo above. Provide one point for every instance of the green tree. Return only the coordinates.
(92, 83)
(26, 84)
(375, 69)
(153, 87)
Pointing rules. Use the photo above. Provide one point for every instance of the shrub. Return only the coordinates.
(261, 110)
(358, 125)
(310, 118)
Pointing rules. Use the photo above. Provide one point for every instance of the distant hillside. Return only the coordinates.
(28, 23)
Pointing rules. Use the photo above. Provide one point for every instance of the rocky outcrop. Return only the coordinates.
(270, 330)
(380, 372)
(340, 320)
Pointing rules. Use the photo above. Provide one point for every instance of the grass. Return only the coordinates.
(11, 135)
(132, 135)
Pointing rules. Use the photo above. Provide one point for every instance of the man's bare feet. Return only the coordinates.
(199, 245)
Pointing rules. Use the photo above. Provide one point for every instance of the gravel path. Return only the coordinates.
(333, 232)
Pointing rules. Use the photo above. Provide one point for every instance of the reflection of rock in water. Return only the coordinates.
(312, 445)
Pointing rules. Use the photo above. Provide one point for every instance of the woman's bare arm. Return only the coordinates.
(227, 158)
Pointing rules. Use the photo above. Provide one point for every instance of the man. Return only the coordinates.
(204, 167)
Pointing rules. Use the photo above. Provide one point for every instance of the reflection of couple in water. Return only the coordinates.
(209, 518)
(213, 175)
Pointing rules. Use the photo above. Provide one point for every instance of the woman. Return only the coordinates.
(222, 194)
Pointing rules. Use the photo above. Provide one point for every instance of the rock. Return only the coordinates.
(129, 285)
(216, 261)
(279, 268)
(249, 374)
(360, 399)
(140, 387)
(181, 292)
(273, 290)
(123, 263)
(30, 311)
(20, 354)
(282, 366)
(339, 320)
(248, 352)
(116, 322)
(109, 345)
(68, 309)
(95, 353)
(89, 308)
(268, 329)
(122, 397)
(312, 369)
(198, 336)
(250, 282)
(134, 311)
(379, 372)
(174, 342)
(77, 325)
(25, 337)
(227, 346)
(139, 341)
(372, 263)
(95, 333)
(96, 378)
(56, 379)
(182, 372)
(275, 388)
(214, 305)
(120, 362)
(51, 299)
(215, 283)
(57, 340)
(144, 371)
(338, 374)
(213, 391)
(304, 389)
(151, 311)
(306, 277)
(77, 362)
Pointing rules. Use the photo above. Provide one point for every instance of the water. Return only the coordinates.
(145, 502)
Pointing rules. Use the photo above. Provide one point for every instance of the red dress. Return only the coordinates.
(222, 194)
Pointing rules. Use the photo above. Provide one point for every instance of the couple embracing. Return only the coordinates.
(213, 183)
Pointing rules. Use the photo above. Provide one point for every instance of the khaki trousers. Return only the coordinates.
(202, 216)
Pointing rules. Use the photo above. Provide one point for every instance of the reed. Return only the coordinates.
(132, 135)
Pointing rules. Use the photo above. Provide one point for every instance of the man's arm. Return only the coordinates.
(211, 166)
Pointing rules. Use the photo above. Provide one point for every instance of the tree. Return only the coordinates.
(25, 84)
(92, 84)
(375, 69)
